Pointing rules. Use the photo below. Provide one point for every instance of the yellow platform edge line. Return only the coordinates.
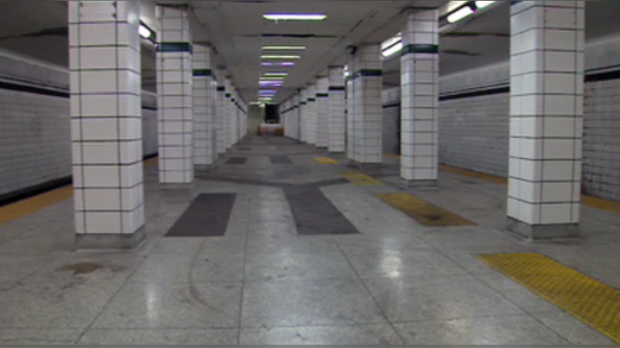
(425, 213)
(361, 179)
(587, 299)
(34, 204)
(325, 160)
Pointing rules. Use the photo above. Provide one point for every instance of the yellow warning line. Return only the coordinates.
(608, 206)
(361, 179)
(325, 160)
(32, 205)
(476, 175)
(425, 213)
(589, 300)
(26, 207)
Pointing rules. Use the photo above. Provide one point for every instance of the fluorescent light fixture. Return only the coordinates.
(145, 32)
(284, 48)
(283, 64)
(460, 14)
(393, 50)
(280, 57)
(255, 103)
(294, 16)
(274, 78)
(391, 41)
(275, 74)
(483, 4)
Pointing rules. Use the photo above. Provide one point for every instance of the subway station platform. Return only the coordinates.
(279, 245)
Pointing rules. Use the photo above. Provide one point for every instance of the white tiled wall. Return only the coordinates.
(311, 114)
(204, 107)
(337, 119)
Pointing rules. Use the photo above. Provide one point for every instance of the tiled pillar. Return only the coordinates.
(547, 96)
(366, 118)
(228, 114)
(420, 99)
(296, 117)
(220, 112)
(106, 124)
(336, 118)
(311, 114)
(303, 115)
(350, 110)
(175, 101)
(204, 102)
(322, 107)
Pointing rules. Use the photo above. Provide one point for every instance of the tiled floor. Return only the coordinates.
(395, 282)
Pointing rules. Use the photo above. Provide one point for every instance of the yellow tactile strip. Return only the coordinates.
(361, 179)
(28, 206)
(32, 205)
(425, 213)
(325, 160)
(589, 300)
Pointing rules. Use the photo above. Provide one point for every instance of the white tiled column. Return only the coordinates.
(303, 115)
(350, 103)
(547, 96)
(311, 114)
(175, 101)
(420, 99)
(204, 99)
(322, 107)
(106, 124)
(220, 112)
(228, 113)
(366, 119)
(296, 116)
(337, 120)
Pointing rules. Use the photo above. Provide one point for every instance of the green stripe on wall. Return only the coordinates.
(367, 73)
(337, 88)
(167, 47)
(202, 73)
(419, 48)
(322, 95)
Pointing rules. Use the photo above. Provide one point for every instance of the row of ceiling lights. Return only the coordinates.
(280, 57)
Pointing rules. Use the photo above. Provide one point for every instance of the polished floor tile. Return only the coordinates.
(173, 306)
(506, 331)
(161, 337)
(366, 335)
(38, 337)
(318, 302)
(297, 266)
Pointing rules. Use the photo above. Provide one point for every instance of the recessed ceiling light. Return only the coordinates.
(274, 74)
(284, 48)
(145, 32)
(483, 4)
(280, 57)
(294, 16)
(460, 14)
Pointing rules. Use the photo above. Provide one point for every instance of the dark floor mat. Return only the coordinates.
(207, 216)
(280, 160)
(237, 160)
(315, 215)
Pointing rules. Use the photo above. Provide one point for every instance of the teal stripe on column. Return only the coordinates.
(367, 73)
(420, 48)
(168, 47)
(202, 73)
(221, 89)
(322, 95)
(337, 88)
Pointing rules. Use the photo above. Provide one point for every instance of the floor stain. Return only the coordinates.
(83, 268)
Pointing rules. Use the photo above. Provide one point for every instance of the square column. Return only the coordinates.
(311, 114)
(228, 114)
(546, 130)
(204, 109)
(322, 103)
(175, 98)
(420, 99)
(106, 124)
(235, 119)
(220, 112)
(365, 120)
(296, 117)
(303, 115)
(337, 117)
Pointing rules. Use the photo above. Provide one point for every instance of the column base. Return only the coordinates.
(420, 184)
(177, 187)
(110, 242)
(542, 232)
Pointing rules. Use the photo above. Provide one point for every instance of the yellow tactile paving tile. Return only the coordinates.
(360, 179)
(32, 205)
(589, 300)
(425, 213)
(608, 206)
(475, 175)
(325, 160)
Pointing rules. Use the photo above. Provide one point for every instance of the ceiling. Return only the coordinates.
(236, 29)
